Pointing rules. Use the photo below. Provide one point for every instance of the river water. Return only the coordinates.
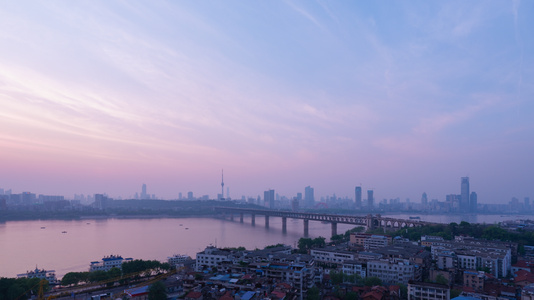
(67, 246)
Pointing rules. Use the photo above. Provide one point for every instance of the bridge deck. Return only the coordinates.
(368, 220)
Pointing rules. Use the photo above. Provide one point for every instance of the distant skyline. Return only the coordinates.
(399, 97)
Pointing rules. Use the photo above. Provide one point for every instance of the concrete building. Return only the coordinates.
(471, 254)
(370, 200)
(473, 202)
(49, 275)
(369, 241)
(178, 259)
(358, 197)
(376, 241)
(474, 279)
(332, 256)
(108, 262)
(309, 198)
(427, 291)
(391, 271)
(268, 198)
(354, 267)
(211, 257)
(464, 195)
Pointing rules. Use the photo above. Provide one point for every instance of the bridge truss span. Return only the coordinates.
(368, 221)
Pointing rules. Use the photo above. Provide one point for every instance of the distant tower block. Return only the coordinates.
(358, 197)
(370, 199)
(222, 183)
(143, 192)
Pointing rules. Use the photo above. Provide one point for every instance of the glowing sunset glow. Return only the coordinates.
(401, 97)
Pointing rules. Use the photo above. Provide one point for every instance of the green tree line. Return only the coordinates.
(19, 288)
(136, 267)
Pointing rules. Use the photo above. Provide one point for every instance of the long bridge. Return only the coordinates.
(369, 221)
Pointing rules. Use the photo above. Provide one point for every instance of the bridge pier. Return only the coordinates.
(241, 218)
(306, 221)
(334, 228)
(266, 221)
(284, 224)
(231, 217)
(253, 220)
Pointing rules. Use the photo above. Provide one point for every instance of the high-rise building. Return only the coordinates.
(295, 204)
(101, 201)
(189, 195)
(358, 197)
(299, 196)
(527, 203)
(370, 199)
(144, 195)
(309, 198)
(222, 184)
(473, 202)
(464, 195)
(268, 198)
(424, 199)
(28, 198)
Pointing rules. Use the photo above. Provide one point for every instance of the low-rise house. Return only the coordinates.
(474, 279)
(194, 295)
(138, 293)
(523, 278)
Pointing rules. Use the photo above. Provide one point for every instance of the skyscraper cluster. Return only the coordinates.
(468, 201)
(358, 198)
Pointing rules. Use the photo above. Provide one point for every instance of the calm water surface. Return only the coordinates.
(25, 245)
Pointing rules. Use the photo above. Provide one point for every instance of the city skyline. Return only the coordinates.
(309, 200)
(399, 98)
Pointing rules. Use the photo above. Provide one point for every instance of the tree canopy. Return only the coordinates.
(157, 291)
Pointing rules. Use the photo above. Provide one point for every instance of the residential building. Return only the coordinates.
(392, 271)
(178, 259)
(332, 256)
(474, 279)
(108, 262)
(354, 267)
(369, 241)
(427, 291)
(211, 257)
(49, 275)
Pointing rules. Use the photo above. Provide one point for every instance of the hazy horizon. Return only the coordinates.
(399, 97)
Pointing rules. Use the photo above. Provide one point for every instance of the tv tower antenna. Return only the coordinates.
(222, 184)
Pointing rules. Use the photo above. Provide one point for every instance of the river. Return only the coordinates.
(67, 246)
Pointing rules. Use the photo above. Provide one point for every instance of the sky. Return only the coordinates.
(402, 97)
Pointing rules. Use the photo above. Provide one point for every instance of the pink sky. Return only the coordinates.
(102, 97)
